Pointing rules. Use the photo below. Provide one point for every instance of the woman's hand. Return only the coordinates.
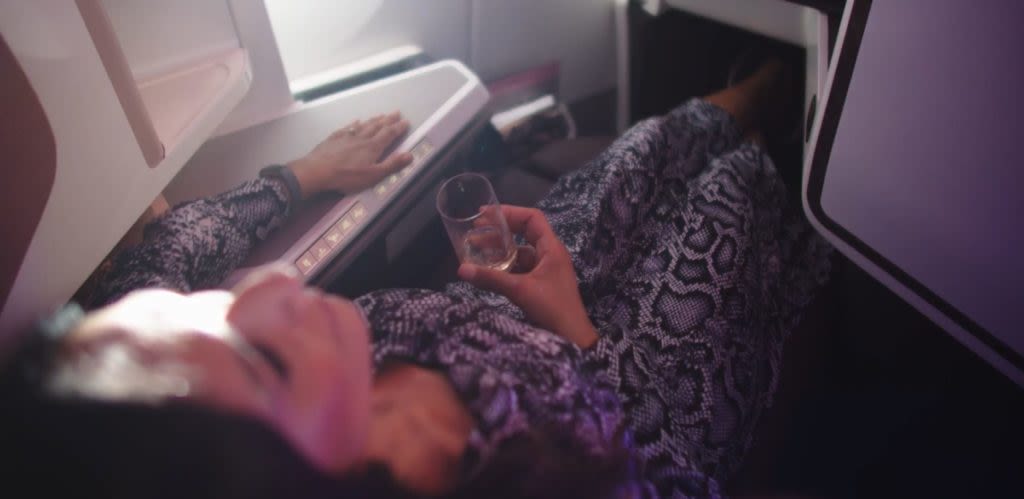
(350, 159)
(546, 289)
(420, 428)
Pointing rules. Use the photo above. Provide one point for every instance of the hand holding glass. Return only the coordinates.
(475, 223)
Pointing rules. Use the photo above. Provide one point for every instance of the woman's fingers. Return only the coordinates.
(393, 163)
(370, 129)
(269, 276)
(351, 159)
(257, 299)
(526, 260)
(308, 308)
(347, 319)
(387, 135)
(347, 130)
(497, 281)
(531, 223)
(377, 123)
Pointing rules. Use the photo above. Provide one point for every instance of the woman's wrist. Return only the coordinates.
(308, 183)
(581, 332)
(283, 177)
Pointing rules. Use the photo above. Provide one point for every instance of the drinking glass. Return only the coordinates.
(475, 223)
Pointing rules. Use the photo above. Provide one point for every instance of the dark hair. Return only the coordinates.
(548, 463)
(54, 444)
(121, 450)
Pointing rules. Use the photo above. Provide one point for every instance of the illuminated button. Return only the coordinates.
(320, 250)
(358, 212)
(345, 225)
(381, 189)
(306, 263)
(405, 172)
(334, 236)
(393, 179)
(421, 151)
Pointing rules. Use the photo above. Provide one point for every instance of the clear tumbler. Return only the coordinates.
(475, 223)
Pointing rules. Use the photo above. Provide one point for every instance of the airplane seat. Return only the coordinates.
(29, 148)
(527, 181)
(561, 157)
(767, 466)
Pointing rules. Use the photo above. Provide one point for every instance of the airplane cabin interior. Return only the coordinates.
(897, 143)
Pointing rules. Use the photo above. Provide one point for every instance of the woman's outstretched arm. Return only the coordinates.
(196, 244)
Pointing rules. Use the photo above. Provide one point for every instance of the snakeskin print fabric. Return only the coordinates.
(694, 270)
(194, 245)
(689, 262)
(513, 376)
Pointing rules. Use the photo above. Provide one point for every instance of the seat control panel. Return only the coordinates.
(332, 240)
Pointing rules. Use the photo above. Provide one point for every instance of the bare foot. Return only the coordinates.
(768, 87)
(755, 98)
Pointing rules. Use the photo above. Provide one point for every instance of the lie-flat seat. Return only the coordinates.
(526, 181)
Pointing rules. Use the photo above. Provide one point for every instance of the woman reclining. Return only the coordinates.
(630, 356)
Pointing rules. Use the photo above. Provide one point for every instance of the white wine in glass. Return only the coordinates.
(475, 222)
(487, 246)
